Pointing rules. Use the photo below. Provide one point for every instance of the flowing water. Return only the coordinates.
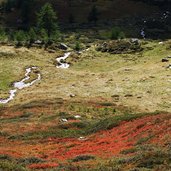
(21, 84)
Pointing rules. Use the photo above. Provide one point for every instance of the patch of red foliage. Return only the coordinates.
(104, 144)
(112, 142)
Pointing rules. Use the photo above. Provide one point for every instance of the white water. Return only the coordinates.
(61, 63)
(20, 85)
(11, 97)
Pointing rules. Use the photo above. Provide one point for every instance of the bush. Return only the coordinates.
(43, 35)
(30, 160)
(77, 46)
(32, 35)
(5, 157)
(10, 166)
(83, 157)
(3, 35)
(116, 33)
(20, 37)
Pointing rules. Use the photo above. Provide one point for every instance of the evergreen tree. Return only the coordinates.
(32, 35)
(47, 20)
(26, 8)
(93, 15)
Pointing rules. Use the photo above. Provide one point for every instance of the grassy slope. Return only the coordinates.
(142, 75)
(33, 135)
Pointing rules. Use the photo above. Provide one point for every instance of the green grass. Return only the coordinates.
(11, 166)
(20, 118)
(84, 127)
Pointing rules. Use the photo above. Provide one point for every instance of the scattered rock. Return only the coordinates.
(169, 66)
(63, 46)
(127, 69)
(38, 42)
(72, 95)
(82, 138)
(160, 43)
(64, 120)
(152, 76)
(139, 97)
(165, 60)
(77, 116)
(115, 97)
(149, 92)
(128, 95)
(135, 41)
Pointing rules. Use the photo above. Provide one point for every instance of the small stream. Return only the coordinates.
(61, 61)
(21, 84)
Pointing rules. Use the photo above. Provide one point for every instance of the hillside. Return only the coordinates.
(80, 9)
(85, 85)
(130, 15)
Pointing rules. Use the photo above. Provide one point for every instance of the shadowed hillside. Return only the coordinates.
(80, 9)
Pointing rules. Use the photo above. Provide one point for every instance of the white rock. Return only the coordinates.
(77, 116)
(64, 120)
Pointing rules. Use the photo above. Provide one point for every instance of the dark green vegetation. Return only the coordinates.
(128, 15)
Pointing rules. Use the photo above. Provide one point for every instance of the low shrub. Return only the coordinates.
(30, 160)
(83, 157)
(11, 166)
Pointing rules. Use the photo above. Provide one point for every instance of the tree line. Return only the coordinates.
(46, 28)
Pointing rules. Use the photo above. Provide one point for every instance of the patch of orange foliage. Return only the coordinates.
(104, 144)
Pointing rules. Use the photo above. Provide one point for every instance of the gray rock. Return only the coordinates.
(63, 46)
(72, 95)
(135, 41)
(38, 42)
(169, 66)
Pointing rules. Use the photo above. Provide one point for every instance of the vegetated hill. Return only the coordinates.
(79, 10)
(130, 15)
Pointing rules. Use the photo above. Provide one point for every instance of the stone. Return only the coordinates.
(169, 66)
(77, 116)
(135, 41)
(64, 120)
(165, 60)
(72, 95)
(38, 42)
(128, 95)
(63, 46)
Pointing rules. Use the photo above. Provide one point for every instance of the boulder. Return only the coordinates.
(165, 60)
(63, 46)
(135, 41)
